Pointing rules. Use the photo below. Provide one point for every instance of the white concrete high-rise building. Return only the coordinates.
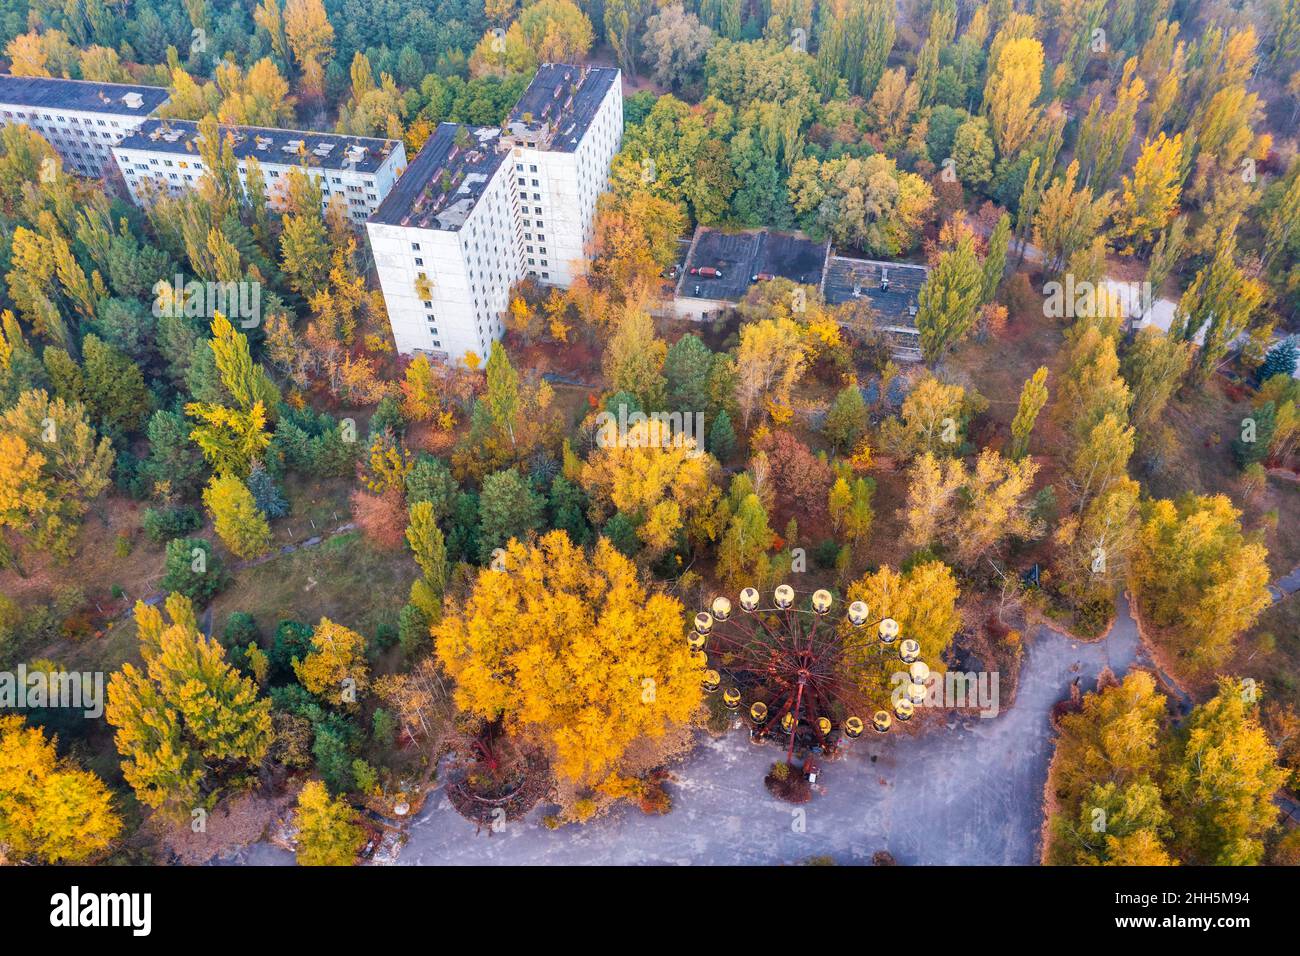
(481, 208)
(562, 134)
(358, 169)
(82, 120)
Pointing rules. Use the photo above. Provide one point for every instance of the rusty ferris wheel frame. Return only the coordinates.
(794, 659)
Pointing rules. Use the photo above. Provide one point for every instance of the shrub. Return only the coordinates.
(164, 524)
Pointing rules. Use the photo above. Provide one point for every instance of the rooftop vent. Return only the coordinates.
(292, 146)
(263, 143)
(133, 101)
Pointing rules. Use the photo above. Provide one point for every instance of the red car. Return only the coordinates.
(707, 272)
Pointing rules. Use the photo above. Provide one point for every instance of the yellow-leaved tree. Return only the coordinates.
(328, 834)
(336, 668)
(1199, 577)
(51, 811)
(923, 600)
(188, 723)
(660, 481)
(573, 649)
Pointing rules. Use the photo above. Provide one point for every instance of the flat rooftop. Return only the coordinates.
(443, 183)
(49, 93)
(740, 256)
(563, 99)
(890, 287)
(287, 147)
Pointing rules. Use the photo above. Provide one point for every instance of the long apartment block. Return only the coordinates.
(82, 120)
(481, 208)
(164, 154)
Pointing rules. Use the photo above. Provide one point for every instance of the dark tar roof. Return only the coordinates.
(850, 279)
(90, 97)
(424, 198)
(741, 256)
(565, 97)
(284, 146)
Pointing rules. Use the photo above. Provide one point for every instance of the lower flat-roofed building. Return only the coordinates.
(360, 170)
(82, 120)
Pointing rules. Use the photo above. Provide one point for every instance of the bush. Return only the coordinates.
(164, 524)
(191, 568)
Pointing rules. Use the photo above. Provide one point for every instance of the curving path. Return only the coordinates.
(968, 795)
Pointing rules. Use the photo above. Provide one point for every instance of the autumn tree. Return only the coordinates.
(950, 298)
(572, 650)
(335, 669)
(239, 523)
(922, 599)
(1199, 577)
(1153, 367)
(187, 724)
(1223, 779)
(658, 480)
(51, 811)
(770, 361)
(328, 834)
(53, 467)
(1033, 396)
(1149, 198)
(1014, 83)
(1221, 301)
(1110, 807)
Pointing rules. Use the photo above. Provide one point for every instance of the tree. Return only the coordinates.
(336, 667)
(950, 298)
(328, 834)
(1105, 776)
(660, 482)
(687, 368)
(571, 650)
(770, 361)
(1221, 301)
(1280, 360)
(427, 545)
(743, 552)
(187, 724)
(675, 43)
(1198, 577)
(1067, 219)
(115, 388)
(634, 360)
(239, 523)
(922, 599)
(1014, 83)
(847, 420)
(995, 259)
(192, 569)
(1033, 396)
(51, 811)
(245, 380)
(1154, 365)
(508, 509)
(1150, 196)
(1222, 780)
(53, 467)
(230, 439)
(866, 203)
(722, 437)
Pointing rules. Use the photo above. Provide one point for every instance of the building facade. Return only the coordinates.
(481, 208)
(82, 120)
(164, 154)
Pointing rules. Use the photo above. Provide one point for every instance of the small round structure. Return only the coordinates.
(888, 631)
(783, 595)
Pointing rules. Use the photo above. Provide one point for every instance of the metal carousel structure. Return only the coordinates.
(792, 661)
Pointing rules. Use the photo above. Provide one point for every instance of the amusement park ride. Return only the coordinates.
(794, 664)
